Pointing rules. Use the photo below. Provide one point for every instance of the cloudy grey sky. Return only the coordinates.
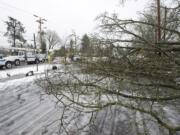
(64, 15)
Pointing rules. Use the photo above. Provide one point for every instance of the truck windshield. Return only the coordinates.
(14, 53)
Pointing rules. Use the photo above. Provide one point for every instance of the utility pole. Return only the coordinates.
(34, 40)
(35, 49)
(40, 21)
(158, 21)
(165, 23)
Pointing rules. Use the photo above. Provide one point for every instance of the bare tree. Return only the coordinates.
(144, 88)
(53, 39)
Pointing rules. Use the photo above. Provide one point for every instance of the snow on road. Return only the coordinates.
(23, 70)
(23, 109)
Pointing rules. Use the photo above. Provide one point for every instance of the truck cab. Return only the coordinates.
(16, 58)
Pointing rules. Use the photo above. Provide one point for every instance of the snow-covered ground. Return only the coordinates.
(23, 70)
(24, 108)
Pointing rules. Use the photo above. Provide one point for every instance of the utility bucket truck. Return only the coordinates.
(19, 56)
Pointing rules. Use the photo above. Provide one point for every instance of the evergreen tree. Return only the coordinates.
(85, 42)
(15, 31)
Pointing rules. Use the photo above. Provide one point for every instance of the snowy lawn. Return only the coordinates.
(24, 108)
(114, 119)
(22, 70)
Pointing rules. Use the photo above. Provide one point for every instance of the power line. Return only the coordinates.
(5, 8)
(23, 11)
(10, 6)
(19, 9)
(40, 20)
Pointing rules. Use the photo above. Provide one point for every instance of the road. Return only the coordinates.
(24, 109)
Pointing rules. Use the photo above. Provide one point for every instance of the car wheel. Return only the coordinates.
(8, 65)
(17, 62)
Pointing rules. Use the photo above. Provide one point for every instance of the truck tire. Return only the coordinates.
(8, 65)
(17, 62)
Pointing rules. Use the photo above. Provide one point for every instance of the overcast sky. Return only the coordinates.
(64, 16)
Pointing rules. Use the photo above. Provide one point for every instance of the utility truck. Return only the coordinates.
(31, 58)
(4, 62)
(20, 56)
(17, 60)
(12, 60)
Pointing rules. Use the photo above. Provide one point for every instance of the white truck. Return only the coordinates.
(17, 59)
(12, 60)
(5, 63)
(31, 58)
(42, 57)
(23, 56)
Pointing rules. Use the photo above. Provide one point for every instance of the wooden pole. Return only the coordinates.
(34, 41)
(158, 21)
(165, 23)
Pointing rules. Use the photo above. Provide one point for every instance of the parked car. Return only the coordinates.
(76, 58)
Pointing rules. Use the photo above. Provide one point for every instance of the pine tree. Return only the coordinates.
(15, 31)
(85, 42)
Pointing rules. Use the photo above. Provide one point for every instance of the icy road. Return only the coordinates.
(24, 109)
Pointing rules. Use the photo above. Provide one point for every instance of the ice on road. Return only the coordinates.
(24, 108)
(22, 70)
